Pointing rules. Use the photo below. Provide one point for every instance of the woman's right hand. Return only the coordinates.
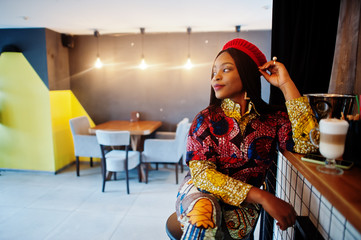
(280, 210)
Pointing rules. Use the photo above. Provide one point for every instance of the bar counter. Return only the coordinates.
(343, 191)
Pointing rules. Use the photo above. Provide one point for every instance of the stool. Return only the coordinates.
(173, 227)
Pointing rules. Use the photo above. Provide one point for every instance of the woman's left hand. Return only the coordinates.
(277, 75)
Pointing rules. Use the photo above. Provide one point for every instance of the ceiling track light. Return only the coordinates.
(98, 62)
(189, 64)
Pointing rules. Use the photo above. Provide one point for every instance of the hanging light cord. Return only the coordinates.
(98, 63)
(142, 41)
(96, 34)
(189, 30)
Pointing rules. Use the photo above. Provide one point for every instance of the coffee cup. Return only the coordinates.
(332, 139)
(332, 132)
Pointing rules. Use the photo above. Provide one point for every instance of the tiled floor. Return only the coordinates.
(63, 206)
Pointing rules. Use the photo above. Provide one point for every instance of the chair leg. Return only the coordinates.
(103, 188)
(115, 176)
(77, 165)
(146, 173)
(181, 164)
(91, 161)
(127, 179)
(139, 173)
(176, 173)
(104, 173)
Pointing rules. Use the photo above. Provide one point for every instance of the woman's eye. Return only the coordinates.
(226, 70)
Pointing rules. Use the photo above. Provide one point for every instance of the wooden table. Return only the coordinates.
(342, 191)
(136, 129)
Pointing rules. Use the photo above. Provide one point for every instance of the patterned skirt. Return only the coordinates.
(203, 216)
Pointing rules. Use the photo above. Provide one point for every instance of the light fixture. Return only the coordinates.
(238, 30)
(143, 65)
(98, 63)
(189, 64)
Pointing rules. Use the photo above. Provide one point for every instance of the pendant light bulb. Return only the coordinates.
(143, 65)
(98, 63)
(188, 64)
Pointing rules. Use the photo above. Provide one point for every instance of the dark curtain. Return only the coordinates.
(303, 39)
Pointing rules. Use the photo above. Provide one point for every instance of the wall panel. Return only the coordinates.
(25, 128)
(165, 91)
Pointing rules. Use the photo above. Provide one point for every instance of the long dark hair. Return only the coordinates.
(251, 80)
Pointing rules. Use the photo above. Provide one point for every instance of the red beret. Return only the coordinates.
(248, 48)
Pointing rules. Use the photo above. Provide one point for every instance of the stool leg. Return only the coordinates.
(173, 228)
(77, 165)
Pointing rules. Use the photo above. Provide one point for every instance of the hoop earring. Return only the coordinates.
(245, 96)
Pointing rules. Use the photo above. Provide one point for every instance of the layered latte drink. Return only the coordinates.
(332, 137)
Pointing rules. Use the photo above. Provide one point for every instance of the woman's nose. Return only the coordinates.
(216, 77)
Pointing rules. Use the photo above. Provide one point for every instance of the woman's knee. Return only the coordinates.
(200, 209)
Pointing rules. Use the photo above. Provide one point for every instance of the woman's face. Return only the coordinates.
(226, 81)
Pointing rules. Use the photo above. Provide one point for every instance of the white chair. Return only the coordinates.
(85, 145)
(167, 151)
(117, 160)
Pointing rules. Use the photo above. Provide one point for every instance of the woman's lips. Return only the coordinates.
(217, 87)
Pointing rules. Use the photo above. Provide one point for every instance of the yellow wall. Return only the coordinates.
(64, 106)
(34, 123)
(25, 125)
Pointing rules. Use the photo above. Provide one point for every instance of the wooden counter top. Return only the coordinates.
(343, 191)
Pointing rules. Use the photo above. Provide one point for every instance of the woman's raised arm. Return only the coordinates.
(277, 75)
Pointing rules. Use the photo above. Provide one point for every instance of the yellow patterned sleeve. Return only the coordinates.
(302, 120)
(206, 177)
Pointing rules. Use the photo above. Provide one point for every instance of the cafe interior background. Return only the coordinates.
(53, 79)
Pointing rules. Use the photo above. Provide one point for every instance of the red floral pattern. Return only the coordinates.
(217, 138)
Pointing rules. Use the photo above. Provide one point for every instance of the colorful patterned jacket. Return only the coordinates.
(228, 153)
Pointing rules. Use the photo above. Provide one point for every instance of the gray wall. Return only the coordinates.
(32, 43)
(165, 91)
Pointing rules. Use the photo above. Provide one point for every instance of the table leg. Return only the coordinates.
(109, 176)
(134, 141)
(142, 172)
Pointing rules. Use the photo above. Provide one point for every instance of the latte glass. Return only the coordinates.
(332, 142)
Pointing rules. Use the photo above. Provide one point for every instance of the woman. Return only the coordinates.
(232, 143)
